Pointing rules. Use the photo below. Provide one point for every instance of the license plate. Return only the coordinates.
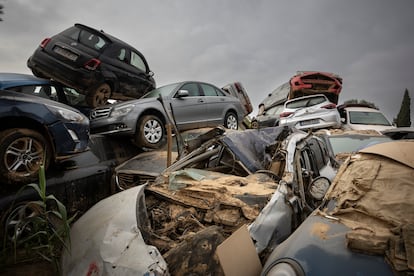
(309, 122)
(65, 53)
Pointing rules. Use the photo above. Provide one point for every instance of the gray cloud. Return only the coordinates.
(260, 43)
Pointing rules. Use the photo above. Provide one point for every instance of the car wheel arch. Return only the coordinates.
(24, 122)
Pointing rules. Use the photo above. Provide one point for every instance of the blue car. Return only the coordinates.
(365, 223)
(48, 89)
(35, 131)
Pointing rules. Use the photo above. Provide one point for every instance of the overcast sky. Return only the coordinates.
(261, 43)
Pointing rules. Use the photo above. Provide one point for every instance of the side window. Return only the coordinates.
(91, 40)
(43, 91)
(74, 97)
(122, 55)
(192, 88)
(138, 62)
(210, 90)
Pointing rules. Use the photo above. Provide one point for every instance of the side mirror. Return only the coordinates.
(182, 93)
(319, 187)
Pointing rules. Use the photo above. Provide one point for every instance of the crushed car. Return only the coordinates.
(364, 225)
(95, 63)
(268, 179)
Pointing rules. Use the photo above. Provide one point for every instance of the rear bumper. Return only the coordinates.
(78, 78)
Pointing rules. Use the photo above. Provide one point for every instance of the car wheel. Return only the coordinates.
(230, 121)
(99, 95)
(22, 152)
(150, 132)
(39, 74)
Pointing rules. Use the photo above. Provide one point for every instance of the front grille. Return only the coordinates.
(100, 113)
(126, 181)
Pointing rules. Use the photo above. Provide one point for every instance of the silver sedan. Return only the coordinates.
(188, 104)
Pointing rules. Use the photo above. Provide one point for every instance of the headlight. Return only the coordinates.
(290, 268)
(67, 114)
(122, 110)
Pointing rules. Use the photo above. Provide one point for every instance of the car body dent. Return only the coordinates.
(115, 247)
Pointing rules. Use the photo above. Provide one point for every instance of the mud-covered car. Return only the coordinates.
(94, 62)
(35, 131)
(342, 143)
(187, 105)
(268, 179)
(364, 225)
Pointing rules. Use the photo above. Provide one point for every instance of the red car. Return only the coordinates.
(312, 82)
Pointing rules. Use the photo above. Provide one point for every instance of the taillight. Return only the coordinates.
(329, 106)
(285, 114)
(92, 64)
(44, 42)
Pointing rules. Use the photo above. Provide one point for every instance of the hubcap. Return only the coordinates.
(152, 131)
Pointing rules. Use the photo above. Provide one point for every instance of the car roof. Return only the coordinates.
(401, 151)
(360, 108)
(109, 37)
(16, 79)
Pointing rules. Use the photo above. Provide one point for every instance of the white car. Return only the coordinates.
(357, 117)
(310, 112)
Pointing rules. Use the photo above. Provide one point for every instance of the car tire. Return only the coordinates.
(39, 74)
(99, 95)
(150, 132)
(255, 124)
(230, 120)
(22, 151)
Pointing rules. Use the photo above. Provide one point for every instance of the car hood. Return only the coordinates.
(319, 247)
(106, 241)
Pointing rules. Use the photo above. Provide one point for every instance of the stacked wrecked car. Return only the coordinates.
(268, 179)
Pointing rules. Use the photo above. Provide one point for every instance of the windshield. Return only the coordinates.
(352, 143)
(163, 91)
(368, 118)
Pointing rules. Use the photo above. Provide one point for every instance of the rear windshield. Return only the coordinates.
(306, 102)
(91, 40)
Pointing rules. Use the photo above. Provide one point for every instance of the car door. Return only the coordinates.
(217, 104)
(189, 111)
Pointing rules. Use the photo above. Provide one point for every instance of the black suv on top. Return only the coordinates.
(93, 62)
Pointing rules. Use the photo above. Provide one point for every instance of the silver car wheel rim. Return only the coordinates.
(152, 131)
(24, 156)
(231, 122)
